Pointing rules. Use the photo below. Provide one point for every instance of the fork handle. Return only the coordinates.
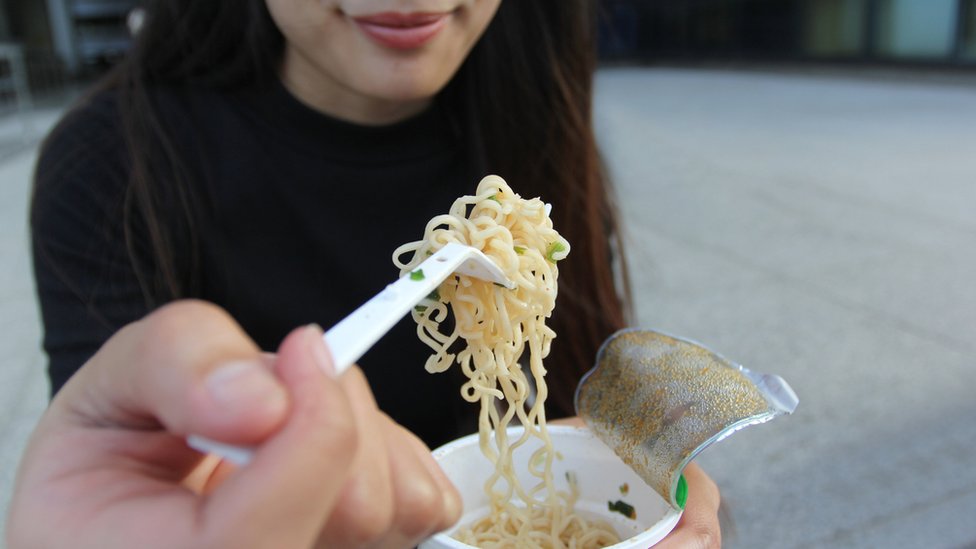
(354, 335)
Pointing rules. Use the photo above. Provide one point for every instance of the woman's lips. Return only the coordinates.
(402, 31)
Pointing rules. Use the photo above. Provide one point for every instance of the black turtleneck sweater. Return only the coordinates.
(299, 214)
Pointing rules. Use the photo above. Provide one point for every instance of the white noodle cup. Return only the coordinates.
(600, 474)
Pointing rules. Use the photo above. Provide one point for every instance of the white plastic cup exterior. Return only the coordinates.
(600, 474)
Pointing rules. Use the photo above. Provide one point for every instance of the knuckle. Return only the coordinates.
(345, 436)
(170, 324)
(707, 537)
(453, 507)
(711, 487)
(340, 440)
(355, 383)
(177, 315)
(710, 540)
(420, 508)
(367, 512)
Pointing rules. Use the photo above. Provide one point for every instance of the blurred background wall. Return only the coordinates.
(931, 32)
(70, 38)
(47, 46)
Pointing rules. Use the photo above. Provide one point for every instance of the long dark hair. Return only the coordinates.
(529, 89)
(525, 92)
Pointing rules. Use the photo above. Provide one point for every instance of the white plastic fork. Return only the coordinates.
(354, 335)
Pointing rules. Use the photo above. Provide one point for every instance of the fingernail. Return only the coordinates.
(320, 353)
(245, 382)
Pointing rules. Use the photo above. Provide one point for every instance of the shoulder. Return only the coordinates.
(96, 123)
(82, 167)
(79, 178)
(91, 147)
(88, 137)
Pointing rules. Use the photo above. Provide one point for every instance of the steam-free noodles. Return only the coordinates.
(499, 332)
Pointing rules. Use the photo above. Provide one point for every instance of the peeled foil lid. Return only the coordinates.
(658, 401)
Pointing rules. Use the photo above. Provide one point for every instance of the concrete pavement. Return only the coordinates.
(822, 228)
(23, 387)
(815, 226)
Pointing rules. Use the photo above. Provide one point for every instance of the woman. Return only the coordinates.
(194, 173)
(268, 155)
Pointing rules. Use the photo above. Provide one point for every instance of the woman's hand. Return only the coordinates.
(108, 466)
(698, 527)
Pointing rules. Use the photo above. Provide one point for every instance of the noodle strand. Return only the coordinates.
(498, 326)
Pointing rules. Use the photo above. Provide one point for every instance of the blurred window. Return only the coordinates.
(914, 28)
(833, 27)
(967, 46)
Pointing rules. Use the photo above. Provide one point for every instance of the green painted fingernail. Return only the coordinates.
(681, 493)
